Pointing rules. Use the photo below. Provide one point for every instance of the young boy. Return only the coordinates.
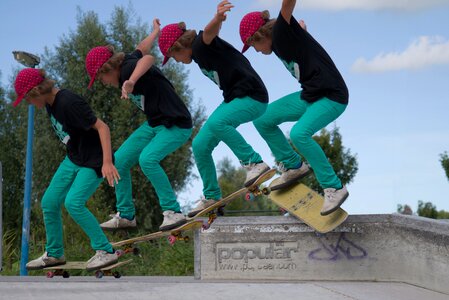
(169, 126)
(88, 161)
(323, 98)
(245, 98)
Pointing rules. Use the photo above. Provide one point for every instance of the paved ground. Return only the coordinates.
(186, 288)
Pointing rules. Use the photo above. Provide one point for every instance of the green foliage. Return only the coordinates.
(444, 159)
(65, 64)
(425, 209)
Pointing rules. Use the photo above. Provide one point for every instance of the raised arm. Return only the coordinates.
(142, 66)
(287, 9)
(213, 28)
(146, 44)
(108, 169)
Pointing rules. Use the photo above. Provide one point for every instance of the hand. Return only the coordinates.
(110, 173)
(127, 88)
(303, 24)
(156, 26)
(222, 8)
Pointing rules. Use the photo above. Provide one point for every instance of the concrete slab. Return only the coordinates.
(186, 288)
(383, 248)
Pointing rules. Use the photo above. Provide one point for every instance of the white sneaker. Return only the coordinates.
(172, 220)
(101, 259)
(253, 171)
(203, 203)
(45, 261)
(290, 176)
(117, 222)
(333, 199)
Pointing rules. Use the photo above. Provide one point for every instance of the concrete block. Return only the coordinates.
(393, 248)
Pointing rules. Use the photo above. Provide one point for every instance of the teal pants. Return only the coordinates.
(72, 186)
(310, 118)
(148, 146)
(221, 126)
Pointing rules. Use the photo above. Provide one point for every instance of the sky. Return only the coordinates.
(393, 55)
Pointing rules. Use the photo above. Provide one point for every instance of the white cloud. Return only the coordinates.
(423, 52)
(399, 5)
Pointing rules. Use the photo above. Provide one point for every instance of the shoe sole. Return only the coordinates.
(325, 213)
(291, 182)
(173, 226)
(249, 183)
(43, 267)
(193, 214)
(119, 228)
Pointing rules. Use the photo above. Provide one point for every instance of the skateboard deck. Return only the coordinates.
(173, 235)
(305, 204)
(253, 189)
(62, 270)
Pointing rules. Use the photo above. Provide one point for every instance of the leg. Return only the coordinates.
(287, 109)
(126, 157)
(317, 116)
(227, 117)
(166, 141)
(84, 185)
(202, 146)
(51, 206)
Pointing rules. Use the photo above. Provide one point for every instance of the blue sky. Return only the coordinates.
(394, 56)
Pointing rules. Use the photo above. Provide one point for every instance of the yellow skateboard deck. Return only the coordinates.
(305, 204)
(253, 189)
(173, 235)
(61, 270)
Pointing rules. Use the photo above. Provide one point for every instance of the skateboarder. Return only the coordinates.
(88, 161)
(323, 98)
(168, 127)
(245, 98)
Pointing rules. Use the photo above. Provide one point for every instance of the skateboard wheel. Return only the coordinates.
(50, 274)
(99, 274)
(116, 274)
(249, 197)
(266, 190)
(220, 211)
(65, 274)
(171, 239)
(186, 239)
(205, 226)
(136, 251)
(119, 252)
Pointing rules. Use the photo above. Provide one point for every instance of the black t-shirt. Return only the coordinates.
(155, 95)
(229, 69)
(308, 62)
(72, 120)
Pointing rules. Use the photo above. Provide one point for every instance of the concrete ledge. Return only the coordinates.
(393, 248)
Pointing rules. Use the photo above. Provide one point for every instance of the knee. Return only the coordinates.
(49, 204)
(300, 137)
(216, 126)
(147, 161)
(121, 162)
(73, 207)
(264, 123)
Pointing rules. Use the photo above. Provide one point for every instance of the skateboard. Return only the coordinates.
(251, 191)
(173, 235)
(305, 204)
(63, 270)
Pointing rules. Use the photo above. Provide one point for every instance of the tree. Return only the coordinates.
(444, 159)
(425, 209)
(405, 209)
(65, 64)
